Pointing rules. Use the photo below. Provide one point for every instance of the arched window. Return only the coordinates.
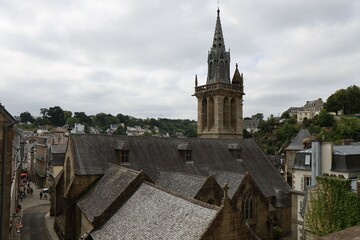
(221, 70)
(248, 208)
(67, 172)
(211, 70)
(204, 113)
(233, 113)
(226, 113)
(211, 113)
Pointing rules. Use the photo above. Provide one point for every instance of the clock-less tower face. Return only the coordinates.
(220, 101)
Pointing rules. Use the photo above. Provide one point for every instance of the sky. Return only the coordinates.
(139, 58)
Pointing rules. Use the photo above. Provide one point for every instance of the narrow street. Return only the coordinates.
(34, 227)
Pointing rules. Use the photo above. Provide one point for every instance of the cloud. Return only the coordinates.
(140, 58)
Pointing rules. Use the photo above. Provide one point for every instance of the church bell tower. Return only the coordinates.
(220, 101)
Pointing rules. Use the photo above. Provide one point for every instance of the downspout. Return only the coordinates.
(3, 176)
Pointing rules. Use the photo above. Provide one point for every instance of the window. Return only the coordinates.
(123, 155)
(238, 154)
(188, 156)
(248, 208)
(307, 181)
(307, 160)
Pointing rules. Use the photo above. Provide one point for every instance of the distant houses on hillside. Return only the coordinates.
(308, 111)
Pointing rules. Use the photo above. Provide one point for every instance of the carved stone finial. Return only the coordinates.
(226, 189)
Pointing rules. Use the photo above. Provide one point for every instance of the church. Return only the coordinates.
(216, 186)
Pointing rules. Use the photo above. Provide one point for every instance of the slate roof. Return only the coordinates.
(7, 115)
(153, 214)
(114, 182)
(93, 153)
(182, 183)
(232, 179)
(58, 154)
(297, 143)
(299, 162)
(346, 158)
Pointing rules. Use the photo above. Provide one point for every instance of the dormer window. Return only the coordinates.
(235, 151)
(307, 160)
(185, 151)
(122, 151)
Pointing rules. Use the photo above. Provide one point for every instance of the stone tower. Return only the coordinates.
(220, 101)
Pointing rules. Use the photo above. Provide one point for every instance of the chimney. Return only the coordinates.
(315, 160)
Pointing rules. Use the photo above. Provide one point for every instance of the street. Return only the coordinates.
(33, 223)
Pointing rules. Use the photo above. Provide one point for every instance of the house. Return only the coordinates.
(252, 125)
(321, 158)
(56, 165)
(308, 111)
(301, 141)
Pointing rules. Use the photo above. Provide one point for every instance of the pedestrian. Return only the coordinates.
(45, 196)
(31, 191)
(41, 195)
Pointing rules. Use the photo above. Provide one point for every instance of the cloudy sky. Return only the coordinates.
(139, 58)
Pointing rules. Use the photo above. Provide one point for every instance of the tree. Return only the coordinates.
(56, 116)
(325, 119)
(26, 117)
(345, 100)
(82, 118)
(259, 116)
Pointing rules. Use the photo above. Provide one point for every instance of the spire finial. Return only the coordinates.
(236, 66)
(196, 81)
(218, 11)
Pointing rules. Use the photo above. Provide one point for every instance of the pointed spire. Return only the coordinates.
(237, 78)
(218, 42)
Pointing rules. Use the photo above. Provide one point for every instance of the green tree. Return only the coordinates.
(346, 100)
(83, 118)
(56, 116)
(26, 117)
(325, 119)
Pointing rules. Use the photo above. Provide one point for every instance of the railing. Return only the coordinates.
(219, 85)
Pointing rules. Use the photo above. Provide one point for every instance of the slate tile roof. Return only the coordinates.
(93, 153)
(58, 154)
(297, 143)
(114, 182)
(182, 183)
(153, 214)
(232, 179)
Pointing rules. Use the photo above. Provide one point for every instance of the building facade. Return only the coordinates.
(6, 170)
